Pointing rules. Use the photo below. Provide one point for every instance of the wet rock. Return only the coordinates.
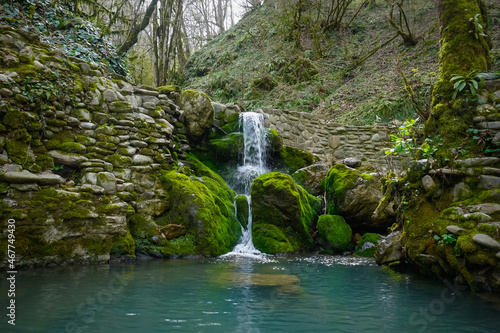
(486, 241)
(389, 249)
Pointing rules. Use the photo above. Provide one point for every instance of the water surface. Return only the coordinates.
(291, 294)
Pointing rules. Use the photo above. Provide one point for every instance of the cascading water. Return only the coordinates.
(254, 165)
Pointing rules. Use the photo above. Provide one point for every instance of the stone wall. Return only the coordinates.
(333, 142)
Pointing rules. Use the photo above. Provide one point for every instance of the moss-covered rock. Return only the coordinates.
(367, 244)
(230, 147)
(124, 246)
(278, 201)
(198, 112)
(205, 208)
(242, 210)
(291, 159)
(335, 234)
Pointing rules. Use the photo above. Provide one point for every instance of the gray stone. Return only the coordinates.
(109, 95)
(198, 113)
(68, 159)
(487, 208)
(50, 179)
(89, 178)
(351, 162)
(486, 241)
(4, 78)
(81, 114)
(4, 92)
(72, 121)
(489, 182)
(424, 259)
(366, 246)
(496, 138)
(456, 230)
(141, 160)
(10, 168)
(428, 183)
(138, 144)
(107, 180)
(88, 126)
(92, 189)
(490, 125)
(498, 255)
(22, 177)
(153, 207)
(25, 187)
(478, 161)
(149, 105)
(310, 177)
(389, 249)
(148, 92)
(479, 217)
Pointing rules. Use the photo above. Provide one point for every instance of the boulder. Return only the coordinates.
(242, 210)
(355, 196)
(198, 114)
(367, 244)
(282, 214)
(335, 234)
(428, 183)
(311, 176)
(389, 249)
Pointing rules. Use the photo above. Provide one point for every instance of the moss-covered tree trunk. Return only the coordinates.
(461, 53)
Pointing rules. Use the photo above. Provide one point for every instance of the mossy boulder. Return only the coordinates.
(277, 200)
(198, 112)
(310, 177)
(229, 147)
(335, 234)
(367, 244)
(205, 208)
(355, 196)
(242, 210)
(291, 159)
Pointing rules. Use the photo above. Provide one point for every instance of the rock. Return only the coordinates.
(461, 191)
(424, 260)
(20, 177)
(389, 249)
(10, 168)
(351, 162)
(428, 183)
(82, 115)
(109, 95)
(487, 208)
(335, 234)
(68, 159)
(282, 212)
(142, 160)
(171, 231)
(198, 113)
(107, 181)
(25, 187)
(4, 92)
(498, 255)
(120, 107)
(242, 210)
(486, 241)
(456, 230)
(310, 177)
(366, 246)
(477, 162)
(478, 217)
(92, 189)
(488, 182)
(50, 179)
(355, 197)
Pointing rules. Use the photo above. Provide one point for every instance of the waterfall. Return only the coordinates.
(253, 165)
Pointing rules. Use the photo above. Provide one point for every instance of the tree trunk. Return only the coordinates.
(460, 54)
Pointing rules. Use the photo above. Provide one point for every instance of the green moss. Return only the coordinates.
(293, 159)
(335, 233)
(73, 147)
(268, 238)
(167, 90)
(277, 200)
(339, 179)
(367, 176)
(227, 148)
(368, 237)
(124, 245)
(242, 210)
(140, 227)
(119, 161)
(17, 147)
(205, 208)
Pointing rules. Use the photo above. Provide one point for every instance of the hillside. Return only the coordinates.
(253, 64)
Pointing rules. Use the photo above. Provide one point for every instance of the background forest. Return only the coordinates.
(351, 61)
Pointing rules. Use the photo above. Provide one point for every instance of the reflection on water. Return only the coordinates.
(290, 294)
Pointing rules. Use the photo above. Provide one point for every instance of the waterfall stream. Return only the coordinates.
(253, 165)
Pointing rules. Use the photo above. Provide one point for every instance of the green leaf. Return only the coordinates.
(462, 86)
(456, 77)
(474, 82)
